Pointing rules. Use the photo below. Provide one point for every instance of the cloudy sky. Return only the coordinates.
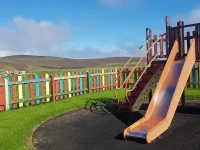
(85, 28)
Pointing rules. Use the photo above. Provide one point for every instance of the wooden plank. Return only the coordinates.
(108, 76)
(194, 77)
(81, 83)
(111, 78)
(88, 82)
(199, 76)
(6, 94)
(155, 46)
(123, 77)
(9, 93)
(61, 85)
(194, 35)
(20, 91)
(148, 45)
(91, 82)
(85, 82)
(47, 87)
(2, 95)
(14, 91)
(56, 86)
(161, 46)
(26, 91)
(94, 81)
(73, 84)
(101, 74)
(71, 77)
(63, 93)
(42, 88)
(29, 81)
(100, 80)
(105, 78)
(97, 80)
(77, 84)
(30, 98)
(69, 84)
(32, 90)
(37, 89)
(115, 77)
(119, 78)
(53, 90)
(188, 41)
(65, 84)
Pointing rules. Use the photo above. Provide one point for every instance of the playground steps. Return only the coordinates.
(142, 89)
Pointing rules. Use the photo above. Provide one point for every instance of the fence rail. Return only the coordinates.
(22, 91)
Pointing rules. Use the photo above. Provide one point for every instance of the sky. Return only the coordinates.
(86, 28)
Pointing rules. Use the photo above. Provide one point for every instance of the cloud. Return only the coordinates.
(44, 38)
(192, 17)
(118, 3)
(27, 36)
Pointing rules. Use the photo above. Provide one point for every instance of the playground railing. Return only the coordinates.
(131, 72)
(121, 70)
(149, 64)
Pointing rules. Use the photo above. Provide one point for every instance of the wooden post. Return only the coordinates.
(88, 82)
(118, 78)
(167, 35)
(161, 46)
(53, 88)
(127, 73)
(196, 43)
(183, 99)
(148, 36)
(194, 35)
(198, 40)
(155, 46)
(6, 103)
(180, 25)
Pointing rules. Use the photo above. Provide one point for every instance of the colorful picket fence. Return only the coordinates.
(22, 91)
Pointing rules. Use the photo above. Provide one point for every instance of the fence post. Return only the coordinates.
(148, 45)
(53, 88)
(127, 74)
(118, 78)
(6, 93)
(88, 82)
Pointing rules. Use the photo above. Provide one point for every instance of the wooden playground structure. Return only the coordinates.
(170, 59)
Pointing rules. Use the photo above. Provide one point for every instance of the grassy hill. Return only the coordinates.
(37, 63)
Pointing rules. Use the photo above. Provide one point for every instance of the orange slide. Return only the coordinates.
(166, 97)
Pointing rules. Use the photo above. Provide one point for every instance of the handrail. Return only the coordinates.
(130, 60)
(135, 68)
(139, 77)
(161, 36)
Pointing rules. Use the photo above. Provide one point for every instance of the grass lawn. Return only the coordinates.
(16, 126)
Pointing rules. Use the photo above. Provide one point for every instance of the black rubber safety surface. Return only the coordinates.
(101, 128)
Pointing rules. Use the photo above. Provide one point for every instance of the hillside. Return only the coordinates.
(30, 62)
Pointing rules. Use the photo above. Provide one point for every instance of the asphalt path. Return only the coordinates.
(101, 128)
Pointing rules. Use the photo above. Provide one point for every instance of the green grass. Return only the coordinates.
(16, 126)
